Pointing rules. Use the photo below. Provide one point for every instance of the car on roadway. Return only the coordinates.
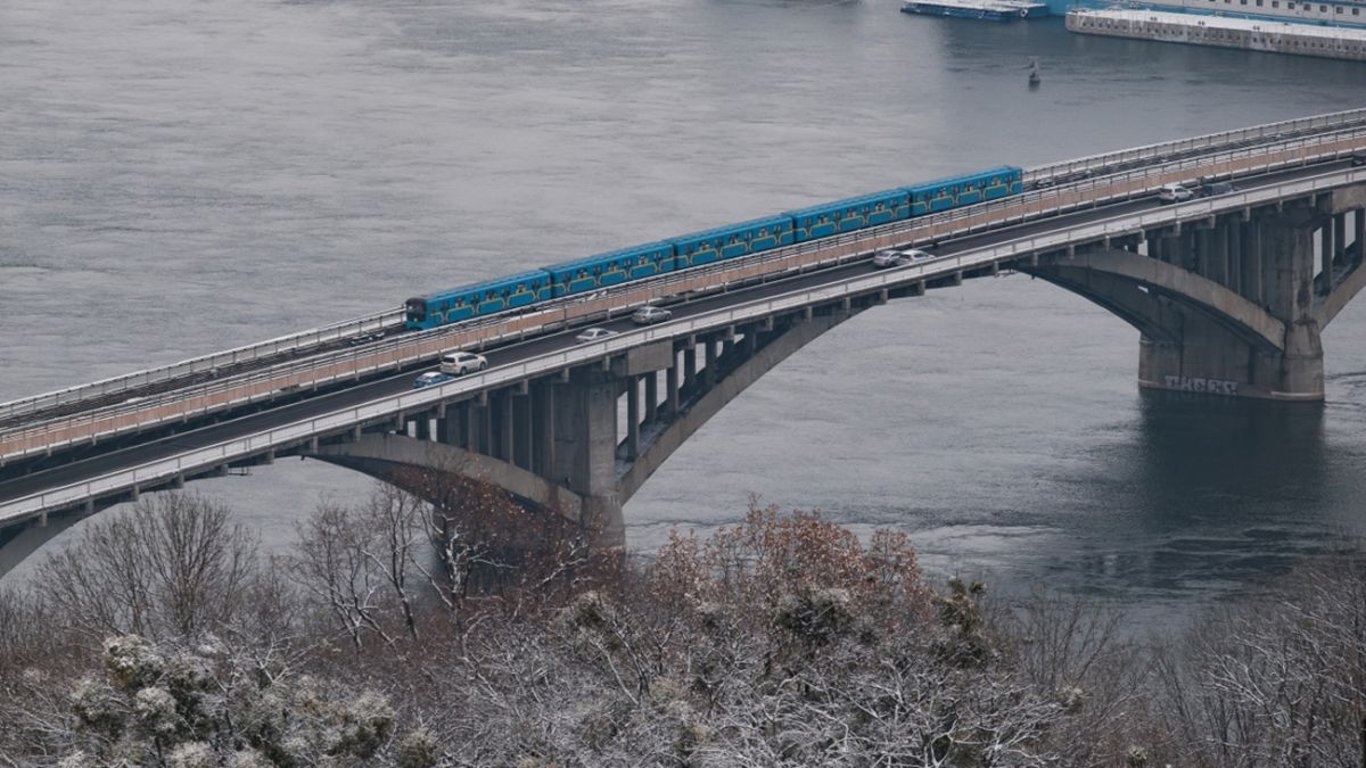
(458, 363)
(1359, 158)
(650, 314)
(431, 379)
(594, 334)
(1173, 193)
(1215, 188)
(892, 257)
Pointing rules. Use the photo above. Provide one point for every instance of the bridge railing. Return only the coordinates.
(412, 349)
(1081, 167)
(200, 460)
(206, 365)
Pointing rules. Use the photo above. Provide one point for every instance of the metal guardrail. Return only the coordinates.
(374, 323)
(411, 349)
(161, 471)
(1277, 130)
(362, 326)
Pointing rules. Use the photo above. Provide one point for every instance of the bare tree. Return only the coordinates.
(333, 564)
(173, 565)
(1280, 681)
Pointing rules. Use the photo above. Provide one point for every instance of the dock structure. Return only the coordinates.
(1223, 32)
(989, 10)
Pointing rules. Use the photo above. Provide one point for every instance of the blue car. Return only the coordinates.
(431, 379)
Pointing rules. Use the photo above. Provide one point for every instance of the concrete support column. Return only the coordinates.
(423, 426)
(633, 418)
(1172, 251)
(543, 424)
(1218, 257)
(1361, 232)
(522, 433)
(506, 428)
(469, 438)
(1252, 264)
(709, 365)
(652, 396)
(1326, 249)
(585, 454)
(1233, 231)
(671, 389)
(1339, 235)
(690, 368)
(448, 428)
(1289, 274)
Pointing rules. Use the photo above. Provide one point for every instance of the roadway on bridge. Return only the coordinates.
(88, 468)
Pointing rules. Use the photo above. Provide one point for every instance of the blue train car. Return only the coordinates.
(477, 299)
(610, 268)
(1001, 181)
(849, 214)
(729, 242)
(932, 196)
(943, 194)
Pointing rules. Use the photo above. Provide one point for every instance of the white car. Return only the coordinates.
(649, 314)
(458, 363)
(594, 334)
(1173, 193)
(895, 258)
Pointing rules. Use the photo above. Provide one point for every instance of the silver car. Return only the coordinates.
(649, 314)
(1173, 193)
(895, 258)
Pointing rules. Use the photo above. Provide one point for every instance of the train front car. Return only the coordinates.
(604, 269)
(957, 191)
(1002, 181)
(732, 241)
(475, 299)
(846, 215)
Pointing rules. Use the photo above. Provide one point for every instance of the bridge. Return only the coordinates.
(1230, 294)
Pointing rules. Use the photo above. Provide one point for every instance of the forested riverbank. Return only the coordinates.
(165, 637)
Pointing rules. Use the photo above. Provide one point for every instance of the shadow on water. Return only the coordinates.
(1200, 455)
(1211, 497)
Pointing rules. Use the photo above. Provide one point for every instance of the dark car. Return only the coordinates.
(1359, 158)
(1214, 188)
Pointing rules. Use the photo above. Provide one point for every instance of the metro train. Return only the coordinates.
(733, 241)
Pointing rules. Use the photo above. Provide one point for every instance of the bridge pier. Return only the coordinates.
(1207, 356)
(1234, 305)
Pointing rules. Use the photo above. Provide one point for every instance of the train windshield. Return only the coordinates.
(417, 309)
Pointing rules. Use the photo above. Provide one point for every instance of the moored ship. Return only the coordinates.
(990, 10)
(1345, 13)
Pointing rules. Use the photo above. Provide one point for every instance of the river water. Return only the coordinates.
(179, 178)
